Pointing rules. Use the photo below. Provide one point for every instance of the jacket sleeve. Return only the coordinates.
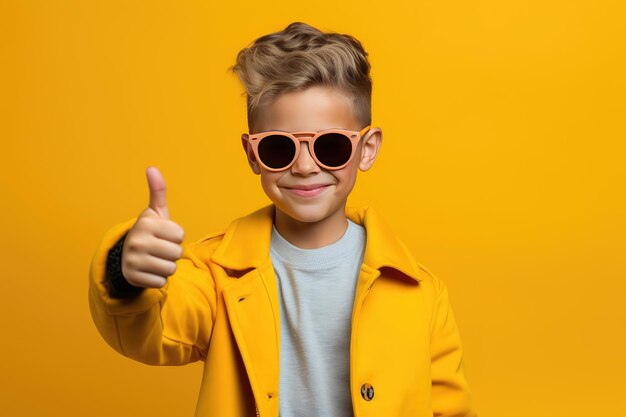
(451, 396)
(171, 325)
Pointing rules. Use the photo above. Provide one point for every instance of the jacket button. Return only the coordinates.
(367, 392)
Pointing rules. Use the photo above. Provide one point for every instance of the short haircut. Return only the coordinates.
(301, 56)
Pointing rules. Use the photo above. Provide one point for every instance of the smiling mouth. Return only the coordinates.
(307, 187)
(308, 191)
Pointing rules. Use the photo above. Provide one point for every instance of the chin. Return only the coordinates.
(305, 214)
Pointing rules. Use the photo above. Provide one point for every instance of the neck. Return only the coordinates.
(311, 235)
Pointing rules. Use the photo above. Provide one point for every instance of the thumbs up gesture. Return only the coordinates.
(153, 244)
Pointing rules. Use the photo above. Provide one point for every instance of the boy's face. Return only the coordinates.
(314, 109)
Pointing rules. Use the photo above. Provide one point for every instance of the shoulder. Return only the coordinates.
(430, 281)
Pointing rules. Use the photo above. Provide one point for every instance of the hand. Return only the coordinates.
(152, 245)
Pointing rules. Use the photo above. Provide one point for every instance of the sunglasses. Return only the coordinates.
(331, 149)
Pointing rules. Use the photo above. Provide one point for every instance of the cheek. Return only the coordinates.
(269, 180)
(347, 177)
(264, 182)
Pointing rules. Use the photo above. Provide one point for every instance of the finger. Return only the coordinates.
(165, 249)
(156, 184)
(147, 280)
(170, 231)
(158, 266)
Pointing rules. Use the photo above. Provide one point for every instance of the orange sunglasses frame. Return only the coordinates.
(297, 138)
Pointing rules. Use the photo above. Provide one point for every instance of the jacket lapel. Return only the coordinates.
(383, 248)
(252, 302)
(252, 305)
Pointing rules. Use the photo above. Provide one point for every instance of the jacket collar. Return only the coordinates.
(246, 242)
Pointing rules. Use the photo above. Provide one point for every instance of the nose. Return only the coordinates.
(304, 164)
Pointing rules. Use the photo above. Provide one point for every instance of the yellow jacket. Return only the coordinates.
(221, 307)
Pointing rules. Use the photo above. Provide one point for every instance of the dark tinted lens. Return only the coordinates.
(276, 151)
(333, 149)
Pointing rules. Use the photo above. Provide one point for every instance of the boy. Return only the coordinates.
(304, 307)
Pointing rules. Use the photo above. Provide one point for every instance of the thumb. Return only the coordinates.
(156, 183)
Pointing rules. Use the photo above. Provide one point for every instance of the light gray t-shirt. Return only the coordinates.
(316, 293)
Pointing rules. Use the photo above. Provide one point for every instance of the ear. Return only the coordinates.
(250, 154)
(370, 145)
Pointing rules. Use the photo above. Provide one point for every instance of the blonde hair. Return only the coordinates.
(301, 56)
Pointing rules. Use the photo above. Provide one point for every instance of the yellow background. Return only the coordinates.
(502, 168)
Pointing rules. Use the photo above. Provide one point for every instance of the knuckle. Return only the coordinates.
(133, 244)
(129, 263)
(130, 240)
(142, 223)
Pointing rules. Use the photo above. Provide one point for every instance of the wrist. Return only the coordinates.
(118, 285)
